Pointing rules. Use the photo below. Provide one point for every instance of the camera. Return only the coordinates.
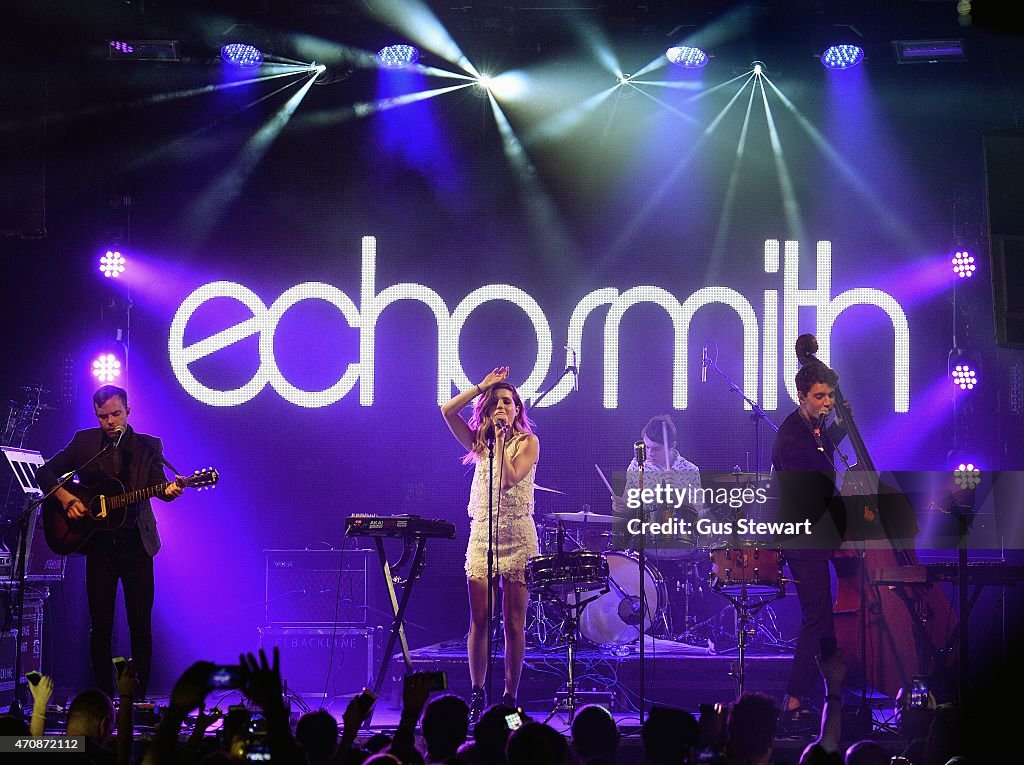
(33, 677)
(366, 699)
(225, 677)
(919, 691)
(119, 664)
(711, 755)
(513, 721)
(435, 681)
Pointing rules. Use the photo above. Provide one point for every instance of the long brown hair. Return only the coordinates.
(482, 430)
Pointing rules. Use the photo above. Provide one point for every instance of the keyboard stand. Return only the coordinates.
(397, 628)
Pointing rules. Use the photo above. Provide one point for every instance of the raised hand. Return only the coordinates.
(262, 679)
(191, 689)
(127, 681)
(41, 692)
(496, 376)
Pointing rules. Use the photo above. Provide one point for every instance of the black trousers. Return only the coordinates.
(111, 559)
(810, 569)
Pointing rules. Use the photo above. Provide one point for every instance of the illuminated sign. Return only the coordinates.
(760, 336)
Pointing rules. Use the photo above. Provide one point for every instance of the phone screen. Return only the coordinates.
(513, 721)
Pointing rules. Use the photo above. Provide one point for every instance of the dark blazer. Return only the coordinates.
(145, 468)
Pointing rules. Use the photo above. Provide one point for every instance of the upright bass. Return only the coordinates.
(887, 633)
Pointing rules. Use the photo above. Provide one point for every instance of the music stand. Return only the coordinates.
(24, 463)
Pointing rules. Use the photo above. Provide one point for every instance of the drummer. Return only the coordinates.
(664, 466)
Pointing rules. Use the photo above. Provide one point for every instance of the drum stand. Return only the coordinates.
(572, 625)
(747, 609)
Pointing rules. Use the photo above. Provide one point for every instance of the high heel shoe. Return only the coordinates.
(476, 703)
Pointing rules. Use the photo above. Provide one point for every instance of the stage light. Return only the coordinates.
(928, 51)
(142, 50)
(758, 67)
(112, 264)
(106, 368)
(687, 57)
(967, 475)
(397, 56)
(964, 377)
(963, 264)
(241, 55)
(842, 56)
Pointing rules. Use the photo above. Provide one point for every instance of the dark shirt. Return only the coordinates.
(806, 476)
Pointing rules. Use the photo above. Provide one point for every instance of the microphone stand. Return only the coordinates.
(641, 458)
(545, 392)
(17, 709)
(757, 416)
(490, 566)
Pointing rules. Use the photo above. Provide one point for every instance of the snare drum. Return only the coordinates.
(567, 572)
(614, 617)
(746, 571)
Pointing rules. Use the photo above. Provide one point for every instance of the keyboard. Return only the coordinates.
(399, 526)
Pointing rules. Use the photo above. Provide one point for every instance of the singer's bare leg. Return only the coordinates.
(516, 598)
(477, 640)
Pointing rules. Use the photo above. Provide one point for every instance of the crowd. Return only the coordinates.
(437, 730)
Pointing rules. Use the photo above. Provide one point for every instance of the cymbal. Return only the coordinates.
(737, 477)
(538, 487)
(582, 517)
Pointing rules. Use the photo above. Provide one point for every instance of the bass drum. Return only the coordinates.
(614, 617)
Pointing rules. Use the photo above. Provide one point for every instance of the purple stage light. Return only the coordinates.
(121, 46)
(964, 376)
(241, 55)
(967, 475)
(397, 56)
(687, 57)
(106, 368)
(112, 264)
(842, 56)
(963, 264)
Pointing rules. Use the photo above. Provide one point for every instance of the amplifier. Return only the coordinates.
(316, 588)
(31, 647)
(309, 665)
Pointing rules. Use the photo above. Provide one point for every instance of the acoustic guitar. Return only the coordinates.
(107, 503)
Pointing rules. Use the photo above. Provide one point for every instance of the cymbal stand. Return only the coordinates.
(746, 610)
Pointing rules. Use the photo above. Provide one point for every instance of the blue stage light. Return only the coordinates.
(106, 368)
(241, 55)
(397, 56)
(842, 56)
(963, 264)
(687, 57)
(112, 264)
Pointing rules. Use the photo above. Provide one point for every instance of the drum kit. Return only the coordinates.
(583, 590)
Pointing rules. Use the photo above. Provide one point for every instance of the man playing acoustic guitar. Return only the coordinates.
(123, 553)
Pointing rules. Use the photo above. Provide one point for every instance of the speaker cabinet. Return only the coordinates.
(316, 588)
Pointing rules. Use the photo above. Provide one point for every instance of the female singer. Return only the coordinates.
(498, 418)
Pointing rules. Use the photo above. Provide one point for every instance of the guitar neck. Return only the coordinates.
(131, 497)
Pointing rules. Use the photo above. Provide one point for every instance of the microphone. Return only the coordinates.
(704, 365)
(822, 416)
(119, 431)
(501, 423)
(573, 369)
(641, 452)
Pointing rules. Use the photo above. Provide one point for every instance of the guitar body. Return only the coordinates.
(108, 504)
(65, 536)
